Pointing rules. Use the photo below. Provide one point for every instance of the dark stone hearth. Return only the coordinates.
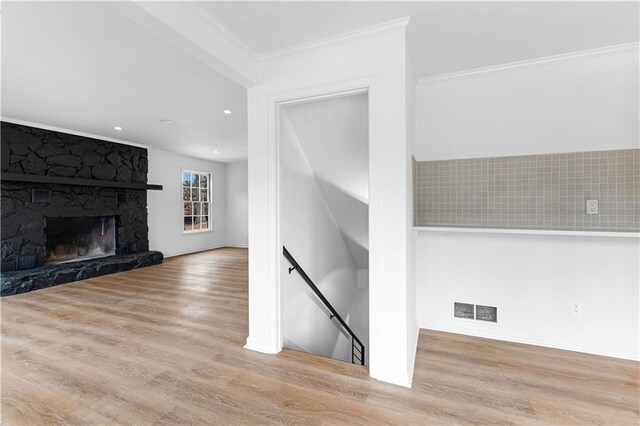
(17, 282)
(33, 152)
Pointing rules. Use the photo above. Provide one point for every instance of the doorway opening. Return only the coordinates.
(324, 226)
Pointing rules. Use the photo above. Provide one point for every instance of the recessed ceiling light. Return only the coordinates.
(215, 152)
(166, 121)
(117, 128)
(227, 111)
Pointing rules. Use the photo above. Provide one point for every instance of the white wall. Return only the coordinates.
(165, 207)
(334, 136)
(532, 280)
(590, 103)
(377, 61)
(312, 236)
(237, 204)
(412, 323)
(583, 104)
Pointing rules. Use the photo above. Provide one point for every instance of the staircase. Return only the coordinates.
(357, 347)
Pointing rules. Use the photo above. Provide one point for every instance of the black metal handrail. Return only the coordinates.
(334, 314)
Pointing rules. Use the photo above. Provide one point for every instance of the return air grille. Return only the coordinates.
(487, 313)
(463, 310)
(40, 196)
(477, 312)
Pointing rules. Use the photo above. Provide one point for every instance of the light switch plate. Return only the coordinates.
(592, 206)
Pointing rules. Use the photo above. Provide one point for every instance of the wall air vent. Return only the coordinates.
(475, 312)
(26, 261)
(463, 310)
(487, 313)
(40, 196)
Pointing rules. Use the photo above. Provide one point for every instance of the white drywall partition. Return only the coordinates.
(581, 104)
(165, 207)
(237, 204)
(375, 61)
(312, 236)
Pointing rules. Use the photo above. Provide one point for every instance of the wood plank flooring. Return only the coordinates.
(163, 346)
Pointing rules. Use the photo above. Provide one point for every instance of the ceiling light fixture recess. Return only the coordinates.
(227, 111)
(216, 151)
(166, 121)
(117, 128)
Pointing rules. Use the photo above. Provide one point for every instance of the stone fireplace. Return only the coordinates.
(72, 207)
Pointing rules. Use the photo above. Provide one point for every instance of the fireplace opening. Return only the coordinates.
(71, 239)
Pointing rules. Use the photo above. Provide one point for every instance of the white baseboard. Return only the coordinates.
(414, 351)
(400, 378)
(233, 245)
(205, 249)
(194, 251)
(261, 345)
(509, 337)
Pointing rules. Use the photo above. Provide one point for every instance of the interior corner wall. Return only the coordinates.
(377, 61)
(165, 207)
(237, 204)
(585, 104)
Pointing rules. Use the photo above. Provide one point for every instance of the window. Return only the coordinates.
(196, 201)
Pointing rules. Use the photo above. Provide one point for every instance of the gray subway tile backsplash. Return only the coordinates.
(531, 192)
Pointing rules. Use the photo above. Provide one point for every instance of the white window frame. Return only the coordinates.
(209, 201)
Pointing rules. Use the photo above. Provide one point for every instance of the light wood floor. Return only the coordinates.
(163, 345)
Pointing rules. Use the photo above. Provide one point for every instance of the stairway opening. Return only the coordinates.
(324, 225)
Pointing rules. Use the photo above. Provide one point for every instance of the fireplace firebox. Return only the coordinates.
(69, 239)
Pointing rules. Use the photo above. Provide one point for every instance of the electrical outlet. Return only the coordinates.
(592, 206)
(576, 309)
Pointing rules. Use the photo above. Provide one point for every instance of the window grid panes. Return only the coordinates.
(196, 197)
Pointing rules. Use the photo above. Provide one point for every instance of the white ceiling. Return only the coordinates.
(445, 36)
(83, 66)
(87, 66)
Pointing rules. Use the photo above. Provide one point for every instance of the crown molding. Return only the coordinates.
(218, 27)
(529, 63)
(70, 132)
(374, 30)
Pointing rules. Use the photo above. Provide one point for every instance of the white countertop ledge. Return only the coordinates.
(446, 230)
